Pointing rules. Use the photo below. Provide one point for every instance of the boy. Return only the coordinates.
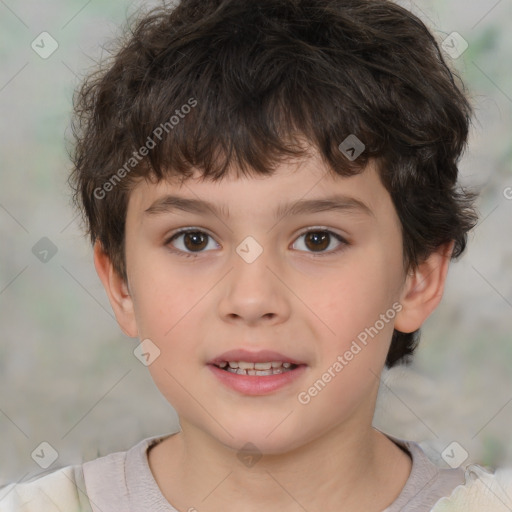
(271, 191)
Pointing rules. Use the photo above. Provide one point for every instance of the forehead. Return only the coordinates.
(293, 188)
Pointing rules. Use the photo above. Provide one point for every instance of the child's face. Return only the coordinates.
(306, 298)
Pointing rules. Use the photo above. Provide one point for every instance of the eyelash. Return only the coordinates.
(179, 252)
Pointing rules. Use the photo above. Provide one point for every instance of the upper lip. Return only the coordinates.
(260, 356)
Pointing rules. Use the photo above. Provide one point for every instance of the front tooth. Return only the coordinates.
(245, 365)
(233, 364)
(276, 364)
(262, 366)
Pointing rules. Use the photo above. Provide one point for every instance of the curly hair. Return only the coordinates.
(215, 84)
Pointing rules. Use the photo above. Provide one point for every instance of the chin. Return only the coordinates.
(266, 438)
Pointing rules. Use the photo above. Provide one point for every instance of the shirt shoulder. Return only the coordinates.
(117, 481)
(123, 481)
(427, 483)
(482, 490)
(62, 489)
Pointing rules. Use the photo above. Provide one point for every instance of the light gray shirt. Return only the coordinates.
(123, 482)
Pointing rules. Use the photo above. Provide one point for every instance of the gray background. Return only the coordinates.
(68, 375)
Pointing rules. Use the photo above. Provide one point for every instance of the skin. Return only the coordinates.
(324, 455)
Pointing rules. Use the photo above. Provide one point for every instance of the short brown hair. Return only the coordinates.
(258, 77)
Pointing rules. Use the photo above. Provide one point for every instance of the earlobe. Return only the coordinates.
(117, 291)
(423, 289)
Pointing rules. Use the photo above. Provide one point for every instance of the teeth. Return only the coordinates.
(251, 366)
(262, 366)
(259, 369)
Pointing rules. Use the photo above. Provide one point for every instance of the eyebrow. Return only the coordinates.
(340, 203)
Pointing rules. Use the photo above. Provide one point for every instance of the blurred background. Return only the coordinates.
(68, 375)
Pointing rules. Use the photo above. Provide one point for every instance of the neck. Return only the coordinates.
(333, 472)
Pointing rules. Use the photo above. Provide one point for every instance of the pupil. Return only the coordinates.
(318, 236)
(194, 237)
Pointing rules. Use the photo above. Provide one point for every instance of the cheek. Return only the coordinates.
(161, 297)
(356, 296)
(360, 315)
(166, 305)
(168, 320)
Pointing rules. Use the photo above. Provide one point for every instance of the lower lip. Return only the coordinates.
(254, 384)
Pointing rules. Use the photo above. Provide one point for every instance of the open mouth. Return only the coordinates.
(256, 369)
(267, 373)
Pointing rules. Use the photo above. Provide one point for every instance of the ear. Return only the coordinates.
(117, 291)
(423, 289)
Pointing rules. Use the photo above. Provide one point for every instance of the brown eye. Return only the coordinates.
(317, 241)
(188, 242)
(195, 240)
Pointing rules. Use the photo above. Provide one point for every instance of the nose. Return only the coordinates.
(254, 291)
